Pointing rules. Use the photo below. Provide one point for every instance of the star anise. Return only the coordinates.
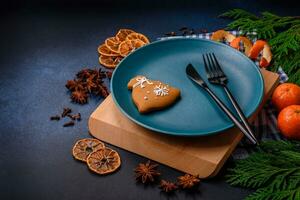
(91, 83)
(146, 172)
(84, 73)
(88, 81)
(167, 186)
(188, 181)
(101, 90)
(74, 85)
(79, 97)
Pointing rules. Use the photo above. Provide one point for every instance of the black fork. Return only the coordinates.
(216, 75)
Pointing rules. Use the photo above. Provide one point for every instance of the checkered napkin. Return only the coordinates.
(265, 125)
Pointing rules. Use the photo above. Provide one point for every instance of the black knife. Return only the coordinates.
(195, 76)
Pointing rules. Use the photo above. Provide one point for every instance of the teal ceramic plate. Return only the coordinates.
(195, 114)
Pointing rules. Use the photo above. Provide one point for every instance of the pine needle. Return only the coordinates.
(274, 170)
(286, 42)
(267, 194)
(238, 13)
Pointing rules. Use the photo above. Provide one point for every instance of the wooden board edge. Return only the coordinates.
(206, 167)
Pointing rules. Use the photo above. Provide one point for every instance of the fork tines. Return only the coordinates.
(215, 75)
(213, 68)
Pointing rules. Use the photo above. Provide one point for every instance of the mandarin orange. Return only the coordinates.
(289, 122)
(246, 42)
(286, 94)
(221, 35)
(258, 47)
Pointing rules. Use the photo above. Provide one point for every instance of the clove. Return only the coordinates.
(170, 34)
(183, 28)
(75, 117)
(192, 32)
(55, 117)
(70, 123)
(66, 112)
(184, 33)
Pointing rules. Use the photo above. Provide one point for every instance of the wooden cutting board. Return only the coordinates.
(203, 156)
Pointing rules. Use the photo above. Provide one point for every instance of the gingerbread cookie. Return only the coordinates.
(149, 95)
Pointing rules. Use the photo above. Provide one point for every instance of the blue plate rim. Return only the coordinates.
(200, 134)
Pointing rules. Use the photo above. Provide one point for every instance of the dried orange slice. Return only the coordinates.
(133, 36)
(110, 61)
(84, 147)
(112, 40)
(103, 50)
(128, 46)
(122, 34)
(112, 44)
(104, 161)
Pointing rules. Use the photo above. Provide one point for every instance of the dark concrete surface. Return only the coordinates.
(43, 44)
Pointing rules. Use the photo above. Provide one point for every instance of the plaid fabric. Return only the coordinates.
(282, 75)
(265, 125)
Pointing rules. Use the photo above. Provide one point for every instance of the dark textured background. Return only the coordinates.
(44, 43)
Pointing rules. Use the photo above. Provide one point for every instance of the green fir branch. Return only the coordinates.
(274, 170)
(277, 146)
(238, 13)
(291, 66)
(286, 42)
(282, 33)
(267, 194)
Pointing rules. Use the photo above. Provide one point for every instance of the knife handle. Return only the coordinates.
(230, 115)
(239, 112)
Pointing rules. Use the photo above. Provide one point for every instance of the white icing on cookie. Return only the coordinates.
(145, 97)
(141, 80)
(160, 90)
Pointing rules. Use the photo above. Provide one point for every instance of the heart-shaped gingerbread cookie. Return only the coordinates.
(149, 95)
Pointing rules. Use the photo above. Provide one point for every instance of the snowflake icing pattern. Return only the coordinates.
(160, 90)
